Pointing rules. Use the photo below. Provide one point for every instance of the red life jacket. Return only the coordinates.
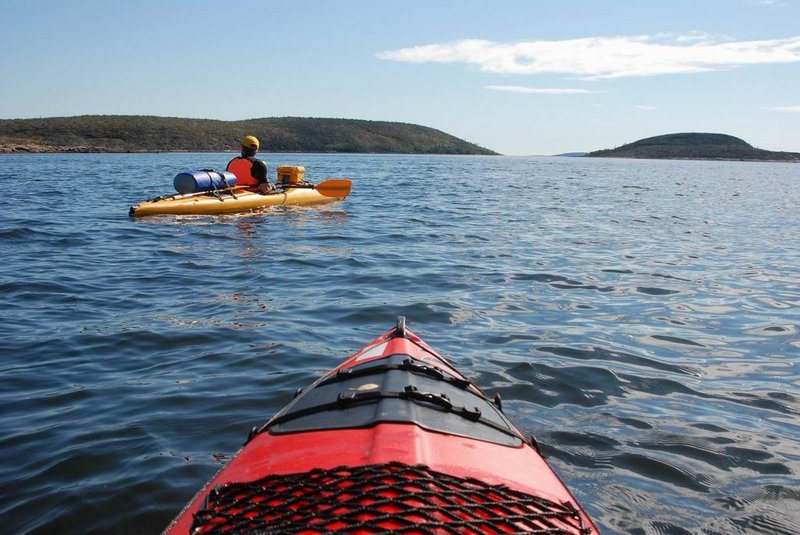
(242, 168)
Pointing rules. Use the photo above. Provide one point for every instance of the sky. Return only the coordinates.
(520, 77)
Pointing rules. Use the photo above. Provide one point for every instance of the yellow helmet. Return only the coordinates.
(251, 142)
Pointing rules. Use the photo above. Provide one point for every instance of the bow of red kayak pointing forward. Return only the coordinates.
(393, 439)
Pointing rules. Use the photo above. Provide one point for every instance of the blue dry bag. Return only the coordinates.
(203, 180)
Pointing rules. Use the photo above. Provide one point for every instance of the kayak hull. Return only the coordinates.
(428, 461)
(225, 202)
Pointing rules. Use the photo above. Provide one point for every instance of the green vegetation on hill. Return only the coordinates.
(120, 133)
(694, 146)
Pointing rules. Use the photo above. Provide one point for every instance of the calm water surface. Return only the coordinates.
(639, 317)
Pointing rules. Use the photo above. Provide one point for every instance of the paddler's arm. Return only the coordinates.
(259, 172)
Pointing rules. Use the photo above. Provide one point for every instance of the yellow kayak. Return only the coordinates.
(239, 199)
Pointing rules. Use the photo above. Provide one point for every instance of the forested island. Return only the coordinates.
(695, 146)
(139, 133)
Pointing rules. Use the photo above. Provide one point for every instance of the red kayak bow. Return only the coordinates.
(394, 440)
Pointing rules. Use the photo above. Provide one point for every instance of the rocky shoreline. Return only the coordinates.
(36, 148)
(33, 148)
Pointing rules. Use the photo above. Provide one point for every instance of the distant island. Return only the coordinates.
(695, 146)
(141, 133)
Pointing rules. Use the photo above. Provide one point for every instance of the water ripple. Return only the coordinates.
(617, 307)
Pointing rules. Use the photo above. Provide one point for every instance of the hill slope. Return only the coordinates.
(691, 146)
(139, 133)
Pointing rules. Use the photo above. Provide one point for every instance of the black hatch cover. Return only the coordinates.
(398, 389)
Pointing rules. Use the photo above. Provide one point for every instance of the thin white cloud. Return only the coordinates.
(595, 58)
(539, 90)
(644, 107)
(691, 37)
(787, 109)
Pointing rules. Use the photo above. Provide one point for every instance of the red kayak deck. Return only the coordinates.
(393, 440)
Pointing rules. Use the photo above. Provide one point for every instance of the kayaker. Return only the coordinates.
(249, 170)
